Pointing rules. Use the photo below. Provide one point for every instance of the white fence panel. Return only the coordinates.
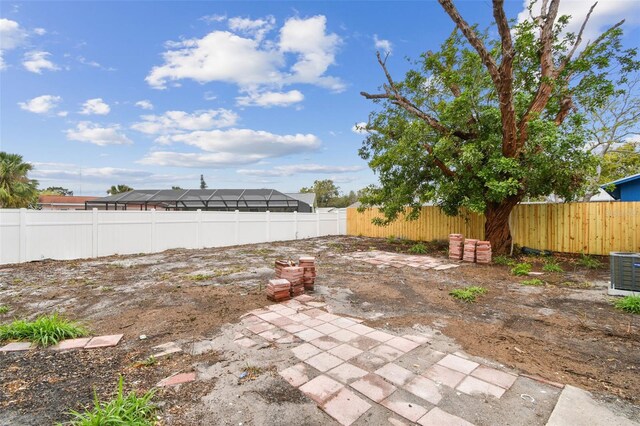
(124, 232)
(27, 235)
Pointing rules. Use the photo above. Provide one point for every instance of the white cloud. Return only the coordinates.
(606, 13)
(223, 148)
(97, 177)
(213, 18)
(382, 44)
(360, 128)
(95, 106)
(39, 31)
(315, 48)
(62, 113)
(251, 62)
(256, 28)
(41, 104)
(96, 134)
(248, 141)
(172, 122)
(11, 34)
(198, 160)
(268, 99)
(144, 104)
(218, 56)
(299, 168)
(36, 61)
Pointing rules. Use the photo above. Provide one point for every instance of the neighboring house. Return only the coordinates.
(625, 189)
(308, 198)
(244, 200)
(62, 202)
(602, 195)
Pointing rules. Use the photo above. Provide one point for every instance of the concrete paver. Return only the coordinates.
(321, 388)
(395, 374)
(346, 407)
(459, 364)
(104, 341)
(444, 375)
(470, 385)
(347, 373)
(374, 387)
(439, 417)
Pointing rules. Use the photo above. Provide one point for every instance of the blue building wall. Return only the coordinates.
(630, 191)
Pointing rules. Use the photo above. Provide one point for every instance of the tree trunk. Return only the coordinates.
(496, 228)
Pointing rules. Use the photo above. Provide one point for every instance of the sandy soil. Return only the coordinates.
(566, 331)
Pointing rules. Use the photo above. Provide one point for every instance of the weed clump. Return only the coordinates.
(521, 269)
(4, 309)
(534, 282)
(588, 262)
(503, 260)
(551, 265)
(44, 331)
(629, 304)
(418, 249)
(128, 409)
(468, 294)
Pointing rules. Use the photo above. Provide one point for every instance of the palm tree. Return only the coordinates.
(16, 189)
(117, 189)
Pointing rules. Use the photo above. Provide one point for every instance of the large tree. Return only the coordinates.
(620, 162)
(487, 121)
(56, 190)
(325, 191)
(16, 189)
(118, 189)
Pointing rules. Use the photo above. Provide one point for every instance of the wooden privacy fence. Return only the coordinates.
(594, 228)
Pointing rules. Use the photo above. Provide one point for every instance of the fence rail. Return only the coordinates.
(27, 235)
(595, 227)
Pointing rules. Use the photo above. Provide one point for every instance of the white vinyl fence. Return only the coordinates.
(27, 235)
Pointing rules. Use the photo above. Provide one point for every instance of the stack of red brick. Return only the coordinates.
(298, 278)
(309, 277)
(279, 290)
(469, 254)
(294, 274)
(281, 264)
(456, 243)
(483, 252)
(469, 250)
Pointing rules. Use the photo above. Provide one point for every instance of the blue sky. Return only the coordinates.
(249, 94)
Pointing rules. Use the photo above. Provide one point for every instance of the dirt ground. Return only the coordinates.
(566, 331)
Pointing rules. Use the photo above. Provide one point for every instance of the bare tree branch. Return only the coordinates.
(567, 59)
(473, 38)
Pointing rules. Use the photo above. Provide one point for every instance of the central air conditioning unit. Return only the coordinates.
(625, 274)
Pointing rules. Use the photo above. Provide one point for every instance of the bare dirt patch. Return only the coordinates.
(566, 331)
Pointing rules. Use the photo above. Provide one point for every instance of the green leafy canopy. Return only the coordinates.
(460, 159)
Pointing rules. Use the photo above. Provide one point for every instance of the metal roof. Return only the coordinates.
(195, 198)
(305, 197)
(623, 180)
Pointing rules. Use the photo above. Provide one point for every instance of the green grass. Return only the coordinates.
(551, 265)
(533, 282)
(45, 330)
(629, 304)
(468, 294)
(128, 409)
(4, 309)
(418, 249)
(503, 260)
(521, 269)
(200, 277)
(588, 262)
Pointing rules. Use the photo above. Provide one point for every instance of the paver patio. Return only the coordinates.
(348, 368)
